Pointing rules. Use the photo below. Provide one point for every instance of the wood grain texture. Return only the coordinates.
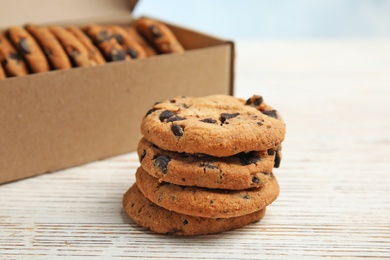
(334, 177)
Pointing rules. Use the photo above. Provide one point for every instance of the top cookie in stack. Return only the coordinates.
(216, 154)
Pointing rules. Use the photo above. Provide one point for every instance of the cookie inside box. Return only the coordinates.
(62, 118)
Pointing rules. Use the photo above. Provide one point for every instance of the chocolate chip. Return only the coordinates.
(260, 123)
(258, 100)
(119, 38)
(172, 101)
(150, 111)
(24, 46)
(143, 154)
(14, 56)
(211, 201)
(246, 197)
(248, 158)
(103, 36)
(271, 151)
(161, 162)
(155, 31)
(175, 118)
(117, 55)
(132, 53)
(226, 116)
(248, 101)
(165, 115)
(177, 130)
(270, 113)
(185, 106)
(185, 222)
(208, 120)
(255, 179)
(277, 159)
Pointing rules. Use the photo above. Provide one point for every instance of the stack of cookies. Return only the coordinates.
(206, 165)
(34, 49)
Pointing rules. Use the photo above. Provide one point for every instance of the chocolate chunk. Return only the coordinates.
(172, 101)
(208, 120)
(24, 46)
(277, 159)
(271, 151)
(258, 100)
(132, 53)
(270, 113)
(143, 154)
(255, 179)
(119, 38)
(211, 201)
(260, 123)
(185, 222)
(226, 116)
(248, 101)
(155, 31)
(103, 36)
(161, 161)
(175, 118)
(117, 55)
(166, 114)
(150, 111)
(248, 158)
(177, 130)
(15, 56)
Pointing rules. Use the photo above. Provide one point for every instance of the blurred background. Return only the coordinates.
(235, 19)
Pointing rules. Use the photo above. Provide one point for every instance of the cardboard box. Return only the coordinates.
(54, 120)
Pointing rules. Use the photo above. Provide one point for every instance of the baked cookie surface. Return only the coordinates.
(218, 125)
(148, 215)
(29, 49)
(159, 35)
(208, 203)
(238, 172)
(51, 46)
(11, 61)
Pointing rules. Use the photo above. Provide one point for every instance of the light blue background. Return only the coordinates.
(275, 18)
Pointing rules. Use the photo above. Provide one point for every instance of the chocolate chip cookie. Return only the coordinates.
(130, 45)
(242, 171)
(218, 125)
(147, 214)
(51, 46)
(76, 51)
(104, 38)
(141, 41)
(29, 49)
(159, 35)
(93, 52)
(11, 61)
(208, 203)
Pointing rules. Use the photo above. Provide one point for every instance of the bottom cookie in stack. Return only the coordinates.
(160, 220)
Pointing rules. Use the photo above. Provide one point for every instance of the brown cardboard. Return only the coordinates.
(54, 120)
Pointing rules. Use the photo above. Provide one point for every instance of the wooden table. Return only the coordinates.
(335, 174)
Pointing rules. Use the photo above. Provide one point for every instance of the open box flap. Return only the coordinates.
(18, 12)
